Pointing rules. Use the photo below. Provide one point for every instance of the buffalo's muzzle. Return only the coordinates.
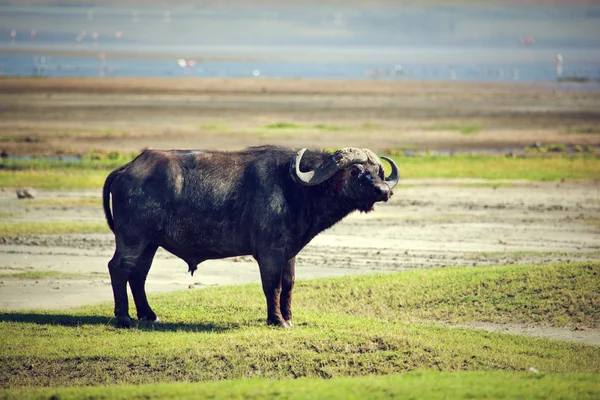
(382, 192)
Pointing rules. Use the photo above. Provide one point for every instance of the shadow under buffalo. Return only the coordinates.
(76, 320)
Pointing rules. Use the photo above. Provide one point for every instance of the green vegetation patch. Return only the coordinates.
(26, 275)
(91, 173)
(331, 128)
(55, 227)
(412, 385)
(63, 202)
(500, 167)
(54, 179)
(283, 125)
(344, 327)
(463, 128)
(215, 127)
(563, 294)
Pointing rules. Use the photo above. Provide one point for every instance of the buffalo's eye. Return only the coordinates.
(357, 170)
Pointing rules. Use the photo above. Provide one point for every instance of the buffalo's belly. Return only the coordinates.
(196, 245)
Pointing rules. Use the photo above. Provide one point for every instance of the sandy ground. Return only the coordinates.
(427, 224)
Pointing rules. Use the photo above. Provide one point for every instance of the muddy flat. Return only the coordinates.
(427, 224)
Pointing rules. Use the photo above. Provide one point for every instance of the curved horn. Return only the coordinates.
(311, 178)
(394, 177)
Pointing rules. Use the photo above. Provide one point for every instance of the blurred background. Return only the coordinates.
(529, 41)
(397, 76)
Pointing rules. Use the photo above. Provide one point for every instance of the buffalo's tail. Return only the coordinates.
(106, 197)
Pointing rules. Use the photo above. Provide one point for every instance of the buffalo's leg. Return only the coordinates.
(121, 266)
(287, 285)
(137, 282)
(270, 274)
(118, 279)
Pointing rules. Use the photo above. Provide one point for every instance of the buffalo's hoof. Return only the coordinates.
(278, 323)
(289, 323)
(123, 322)
(154, 320)
(149, 316)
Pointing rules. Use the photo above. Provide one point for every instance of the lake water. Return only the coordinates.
(347, 41)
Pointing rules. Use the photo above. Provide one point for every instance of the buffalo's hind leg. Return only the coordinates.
(125, 265)
(119, 274)
(137, 282)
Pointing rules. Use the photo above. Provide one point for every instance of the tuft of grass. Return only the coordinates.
(463, 128)
(215, 127)
(345, 327)
(331, 128)
(34, 275)
(283, 125)
(10, 229)
(369, 126)
(411, 385)
(63, 203)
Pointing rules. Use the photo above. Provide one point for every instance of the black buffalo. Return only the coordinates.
(268, 202)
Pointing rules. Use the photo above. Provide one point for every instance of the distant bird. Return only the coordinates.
(25, 193)
(528, 40)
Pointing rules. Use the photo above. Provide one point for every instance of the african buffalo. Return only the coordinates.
(268, 202)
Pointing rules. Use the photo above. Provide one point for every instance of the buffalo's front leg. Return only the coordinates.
(270, 273)
(287, 285)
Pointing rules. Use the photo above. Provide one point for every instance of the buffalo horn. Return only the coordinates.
(319, 175)
(394, 177)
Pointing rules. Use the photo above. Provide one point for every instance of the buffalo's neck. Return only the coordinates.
(323, 209)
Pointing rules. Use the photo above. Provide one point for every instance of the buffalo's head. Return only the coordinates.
(358, 175)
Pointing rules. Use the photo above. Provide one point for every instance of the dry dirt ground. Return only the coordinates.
(427, 223)
(46, 116)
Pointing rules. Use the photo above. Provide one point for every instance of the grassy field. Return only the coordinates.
(91, 173)
(53, 227)
(345, 327)
(36, 275)
(411, 385)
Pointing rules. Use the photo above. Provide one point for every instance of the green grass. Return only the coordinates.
(345, 327)
(331, 128)
(63, 202)
(412, 385)
(500, 167)
(91, 173)
(34, 275)
(370, 126)
(463, 128)
(559, 295)
(54, 179)
(215, 127)
(55, 227)
(283, 125)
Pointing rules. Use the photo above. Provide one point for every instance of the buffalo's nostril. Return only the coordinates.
(383, 192)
